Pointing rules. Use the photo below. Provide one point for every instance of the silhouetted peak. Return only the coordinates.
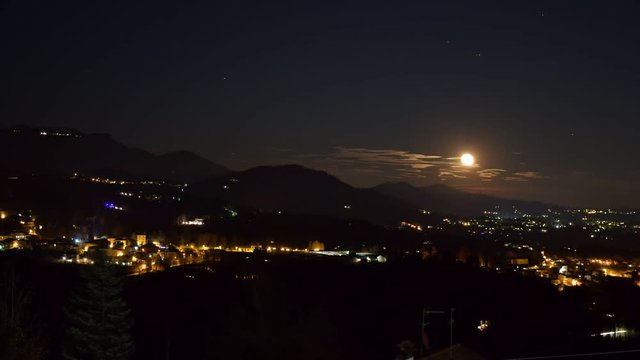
(291, 171)
(63, 151)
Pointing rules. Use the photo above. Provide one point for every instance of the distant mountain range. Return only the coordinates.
(65, 151)
(293, 188)
(287, 188)
(447, 200)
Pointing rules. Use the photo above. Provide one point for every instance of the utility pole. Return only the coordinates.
(451, 333)
(426, 313)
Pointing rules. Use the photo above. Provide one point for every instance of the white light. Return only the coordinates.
(609, 333)
(467, 159)
(484, 324)
(194, 222)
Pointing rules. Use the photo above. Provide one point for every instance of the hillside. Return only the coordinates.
(57, 151)
(293, 188)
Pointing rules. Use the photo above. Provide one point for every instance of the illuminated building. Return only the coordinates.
(316, 246)
(519, 261)
(141, 239)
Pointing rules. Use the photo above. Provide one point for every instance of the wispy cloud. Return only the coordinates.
(530, 175)
(406, 165)
(387, 157)
(489, 174)
(515, 178)
(525, 176)
(445, 174)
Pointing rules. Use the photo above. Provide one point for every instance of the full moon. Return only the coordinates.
(467, 159)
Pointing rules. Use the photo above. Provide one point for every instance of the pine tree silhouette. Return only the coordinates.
(98, 324)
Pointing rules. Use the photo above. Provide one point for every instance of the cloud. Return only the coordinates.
(402, 164)
(444, 174)
(489, 174)
(389, 159)
(525, 176)
(514, 178)
(530, 175)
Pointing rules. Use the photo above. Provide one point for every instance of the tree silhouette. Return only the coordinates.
(98, 324)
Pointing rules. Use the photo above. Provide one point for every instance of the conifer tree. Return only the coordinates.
(98, 324)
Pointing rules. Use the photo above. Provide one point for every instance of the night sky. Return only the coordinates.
(545, 94)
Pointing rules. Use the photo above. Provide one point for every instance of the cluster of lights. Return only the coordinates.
(109, 181)
(246, 277)
(113, 206)
(46, 133)
(409, 225)
(232, 212)
(194, 222)
(483, 325)
(287, 249)
(605, 262)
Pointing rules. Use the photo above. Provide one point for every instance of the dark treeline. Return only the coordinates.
(294, 308)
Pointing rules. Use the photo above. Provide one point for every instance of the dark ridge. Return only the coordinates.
(61, 151)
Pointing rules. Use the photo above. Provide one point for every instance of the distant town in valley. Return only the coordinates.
(68, 197)
(319, 180)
